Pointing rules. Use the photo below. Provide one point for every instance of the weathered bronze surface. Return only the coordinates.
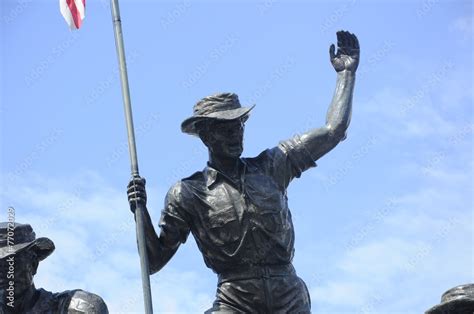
(237, 209)
(457, 300)
(20, 254)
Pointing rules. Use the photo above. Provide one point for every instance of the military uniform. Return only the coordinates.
(244, 229)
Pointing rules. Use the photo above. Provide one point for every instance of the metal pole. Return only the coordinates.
(133, 154)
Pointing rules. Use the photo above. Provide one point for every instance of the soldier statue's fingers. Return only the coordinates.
(132, 193)
(137, 182)
(136, 186)
(332, 50)
(350, 40)
(347, 43)
(356, 42)
(340, 35)
(341, 48)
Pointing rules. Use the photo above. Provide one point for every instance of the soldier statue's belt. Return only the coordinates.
(255, 272)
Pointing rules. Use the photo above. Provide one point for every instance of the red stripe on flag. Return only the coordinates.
(74, 12)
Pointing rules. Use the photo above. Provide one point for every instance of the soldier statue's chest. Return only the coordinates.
(233, 210)
(255, 193)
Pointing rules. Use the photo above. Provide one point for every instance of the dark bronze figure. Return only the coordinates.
(20, 254)
(458, 300)
(236, 208)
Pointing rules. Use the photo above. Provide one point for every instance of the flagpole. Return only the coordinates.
(133, 154)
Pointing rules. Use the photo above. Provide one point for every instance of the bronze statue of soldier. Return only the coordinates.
(20, 254)
(236, 208)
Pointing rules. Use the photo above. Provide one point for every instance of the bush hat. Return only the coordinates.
(16, 237)
(458, 300)
(223, 106)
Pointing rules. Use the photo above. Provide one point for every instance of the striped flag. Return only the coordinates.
(73, 12)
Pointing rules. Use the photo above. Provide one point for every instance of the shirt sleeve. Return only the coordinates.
(174, 219)
(288, 160)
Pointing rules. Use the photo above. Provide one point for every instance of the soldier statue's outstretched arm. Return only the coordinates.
(319, 141)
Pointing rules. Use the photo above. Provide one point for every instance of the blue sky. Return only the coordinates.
(384, 224)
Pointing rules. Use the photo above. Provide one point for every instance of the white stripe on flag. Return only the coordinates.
(66, 13)
(80, 8)
(78, 12)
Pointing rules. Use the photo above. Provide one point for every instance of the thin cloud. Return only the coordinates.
(429, 229)
(464, 26)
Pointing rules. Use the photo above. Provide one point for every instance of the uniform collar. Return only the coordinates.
(211, 173)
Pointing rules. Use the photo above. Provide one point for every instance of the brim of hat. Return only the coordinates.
(462, 305)
(189, 125)
(42, 246)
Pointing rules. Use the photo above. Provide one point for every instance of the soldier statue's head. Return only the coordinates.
(457, 300)
(20, 254)
(219, 121)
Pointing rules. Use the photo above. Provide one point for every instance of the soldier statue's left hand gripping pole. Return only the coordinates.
(139, 210)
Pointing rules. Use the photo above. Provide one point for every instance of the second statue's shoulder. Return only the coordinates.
(87, 302)
(194, 180)
(183, 191)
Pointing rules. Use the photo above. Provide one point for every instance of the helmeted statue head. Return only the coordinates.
(20, 254)
(458, 300)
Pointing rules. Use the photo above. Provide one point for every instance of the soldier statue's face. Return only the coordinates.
(225, 138)
(19, 269)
